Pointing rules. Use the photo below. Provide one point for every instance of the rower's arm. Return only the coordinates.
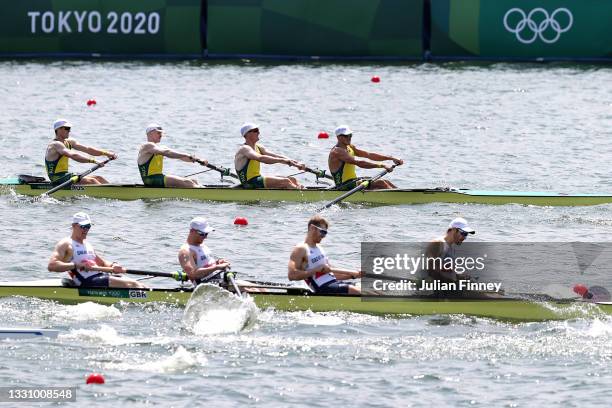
(344, 274)
(94, 151)
(266, 158)
(344, 156)
(57, 262)
(74, 155)
(172, 154)
(189, 266)
(376, 156)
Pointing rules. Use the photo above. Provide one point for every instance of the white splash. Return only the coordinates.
(213, 310)
(181, 361)
(86, 311)
(103, 335)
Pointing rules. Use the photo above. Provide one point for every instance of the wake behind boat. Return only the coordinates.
(288, 298)
(35, 186)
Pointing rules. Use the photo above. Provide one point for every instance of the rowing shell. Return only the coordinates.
(310, 194)
(297, 299)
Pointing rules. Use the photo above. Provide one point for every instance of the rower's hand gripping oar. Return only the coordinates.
(176, 275)
(362, 186)
(222, 170)
(75, 179)
(319, 174)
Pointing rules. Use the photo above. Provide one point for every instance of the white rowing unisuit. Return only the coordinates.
(80, 253)
(203, 255)
(316, 259)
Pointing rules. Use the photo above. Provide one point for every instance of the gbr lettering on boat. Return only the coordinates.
(92, 21)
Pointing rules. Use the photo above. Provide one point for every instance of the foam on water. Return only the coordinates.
(181, 361)
(213, 310)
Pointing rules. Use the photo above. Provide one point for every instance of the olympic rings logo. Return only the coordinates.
(528, 24)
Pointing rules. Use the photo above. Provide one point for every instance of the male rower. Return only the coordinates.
(196, 258)
(151, 161)
(75, 255)
(63, 147)
(342, 161)
(308, 262)
(443, 249)
(251, 154)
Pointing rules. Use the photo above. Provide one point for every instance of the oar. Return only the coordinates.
(224, 171)
(230, 276)
(319, 173)
(363, 185)
(74, 179)
(176, 275)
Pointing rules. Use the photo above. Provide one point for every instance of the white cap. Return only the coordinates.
(81, 218)
(343, 130)
(461, 223)
(247, 127)
(61, 123)
(201, 225)
(154, 126)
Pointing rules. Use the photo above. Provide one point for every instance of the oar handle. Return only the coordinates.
(176, 275)
(223, 170)
(77, 178)
(319, 173)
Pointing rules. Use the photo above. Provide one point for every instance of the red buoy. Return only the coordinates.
(241, 221)
(581, 290)
(95, 378)
(323, 135)
(91, 102)
(375, 79)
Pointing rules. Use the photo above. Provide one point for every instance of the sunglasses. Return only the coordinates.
(322, 231)
(67, 129)
(348, 136)
(463, 233)
(253, 130)
(85, 227)
(202, 234)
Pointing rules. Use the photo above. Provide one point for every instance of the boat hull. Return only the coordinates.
(237, 194)
(507, 309)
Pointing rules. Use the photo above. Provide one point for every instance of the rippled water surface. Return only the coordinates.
(503, 127)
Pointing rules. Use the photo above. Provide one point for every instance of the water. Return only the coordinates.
(501, 126)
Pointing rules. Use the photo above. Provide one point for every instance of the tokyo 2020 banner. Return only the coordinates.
(104, 27)
(527, 29)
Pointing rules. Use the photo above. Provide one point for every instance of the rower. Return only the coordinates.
(75, 255)
(151, 161)
(342, 162)
(309, 262)
(251, 154)
(196, 258)
(63, 147)
(443, 249)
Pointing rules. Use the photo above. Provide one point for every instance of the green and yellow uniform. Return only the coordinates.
(152, 170)
(345, 177)
(57, 170)
(250, 175)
